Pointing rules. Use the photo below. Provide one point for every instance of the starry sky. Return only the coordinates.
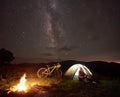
(87, 30)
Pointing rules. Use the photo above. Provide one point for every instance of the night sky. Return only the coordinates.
(87, 30)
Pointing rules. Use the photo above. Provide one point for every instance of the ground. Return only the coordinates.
(54, 87)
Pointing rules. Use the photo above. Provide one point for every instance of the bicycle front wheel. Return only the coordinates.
(42, 73)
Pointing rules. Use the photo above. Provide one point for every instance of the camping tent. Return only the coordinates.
(73, 71)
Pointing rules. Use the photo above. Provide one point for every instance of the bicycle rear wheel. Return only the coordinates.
(42, 73)
(58, 73)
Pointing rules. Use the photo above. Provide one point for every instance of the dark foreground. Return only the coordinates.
(52, 87)
(69, 88)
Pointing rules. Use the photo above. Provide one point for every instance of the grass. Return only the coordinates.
(105, 88)
(63, 87)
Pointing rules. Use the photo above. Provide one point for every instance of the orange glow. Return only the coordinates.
(21, 86)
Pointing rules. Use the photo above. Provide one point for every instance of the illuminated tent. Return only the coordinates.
(73, 71)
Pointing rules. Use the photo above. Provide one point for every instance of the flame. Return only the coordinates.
(21, 86)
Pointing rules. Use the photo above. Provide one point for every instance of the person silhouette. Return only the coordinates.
(81, 75)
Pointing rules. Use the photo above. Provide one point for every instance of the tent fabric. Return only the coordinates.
(73, 71)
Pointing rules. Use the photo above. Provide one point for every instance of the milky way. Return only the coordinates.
(61, 29)
(53, 27)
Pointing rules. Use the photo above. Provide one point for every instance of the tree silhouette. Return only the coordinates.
(6, 56)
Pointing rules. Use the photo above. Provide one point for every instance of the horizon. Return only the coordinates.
(20, 60)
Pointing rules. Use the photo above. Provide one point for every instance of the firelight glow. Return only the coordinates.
(21, 86)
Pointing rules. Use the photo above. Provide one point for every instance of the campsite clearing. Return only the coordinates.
(70, 88)
(53, 87)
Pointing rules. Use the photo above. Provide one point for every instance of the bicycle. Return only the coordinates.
(50, 71)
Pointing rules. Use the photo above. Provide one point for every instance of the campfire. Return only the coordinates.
(22, 86)
(30, 87)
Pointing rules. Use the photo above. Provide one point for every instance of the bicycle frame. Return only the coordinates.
(51, 68)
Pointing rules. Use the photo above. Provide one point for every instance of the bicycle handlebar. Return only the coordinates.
(56, 65)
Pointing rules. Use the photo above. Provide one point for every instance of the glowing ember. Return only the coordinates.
(21, 87)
